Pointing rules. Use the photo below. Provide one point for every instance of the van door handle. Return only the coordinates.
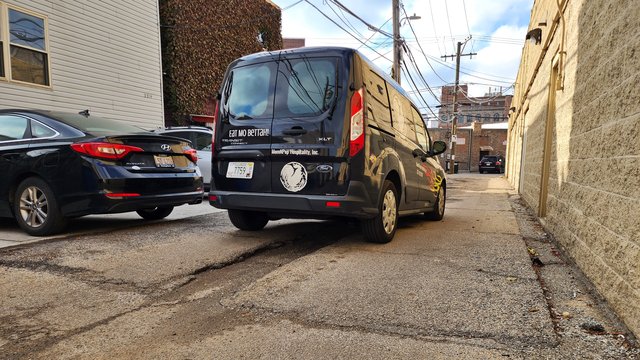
(295, 131)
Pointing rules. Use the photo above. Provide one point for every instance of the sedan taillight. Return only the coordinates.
(192, 154)
(105, 150)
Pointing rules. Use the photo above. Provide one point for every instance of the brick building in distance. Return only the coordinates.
(474, 141)
(493, 107)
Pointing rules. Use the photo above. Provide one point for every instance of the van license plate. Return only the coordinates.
(164, 161)
(240, 170)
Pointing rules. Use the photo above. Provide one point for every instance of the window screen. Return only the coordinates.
(29, 58)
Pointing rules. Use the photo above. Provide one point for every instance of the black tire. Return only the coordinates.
(248, 220)
(438, 210)
(382, 228)
(36, 209)
(155, 213)
(481, 171)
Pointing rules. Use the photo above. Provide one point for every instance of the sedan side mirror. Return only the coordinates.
(438, 147)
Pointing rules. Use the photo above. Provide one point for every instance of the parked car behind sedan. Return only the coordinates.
(200, 138)
(57, 166)
(493, 163)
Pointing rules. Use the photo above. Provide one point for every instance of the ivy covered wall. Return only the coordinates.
(199, 39)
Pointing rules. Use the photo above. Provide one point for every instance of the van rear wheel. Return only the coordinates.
(248, 220)
(382, 228)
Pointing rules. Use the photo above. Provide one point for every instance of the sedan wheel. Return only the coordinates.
(36, 209)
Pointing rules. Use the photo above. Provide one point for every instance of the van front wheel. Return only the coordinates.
(382, 228)
(248, 220)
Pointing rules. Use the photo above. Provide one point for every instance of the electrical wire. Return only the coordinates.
(345, 30)
(433, 23)
(446, 7)
(419, 94)
(344, 20)
(421, 49)
(372, 34)
(292, 5)
(370, 26)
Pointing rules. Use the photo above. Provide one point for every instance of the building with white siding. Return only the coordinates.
(71, 55)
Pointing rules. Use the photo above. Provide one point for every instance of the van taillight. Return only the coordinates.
(357, 123)
(215, 123)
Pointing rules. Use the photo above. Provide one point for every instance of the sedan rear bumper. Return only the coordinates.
(101, 204)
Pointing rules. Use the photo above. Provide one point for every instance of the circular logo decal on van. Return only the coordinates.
(293, 176)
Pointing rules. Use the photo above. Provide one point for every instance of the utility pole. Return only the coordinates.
(454, 126)
(397, 48)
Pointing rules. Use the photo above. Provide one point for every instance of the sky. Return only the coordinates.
(497, 29)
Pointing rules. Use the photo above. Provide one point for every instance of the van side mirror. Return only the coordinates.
(438, 147)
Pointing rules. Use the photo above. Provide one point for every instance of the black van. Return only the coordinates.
(321, 132)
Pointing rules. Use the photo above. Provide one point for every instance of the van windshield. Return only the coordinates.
(302, 87)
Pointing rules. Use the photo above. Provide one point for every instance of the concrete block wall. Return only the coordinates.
(593, 204)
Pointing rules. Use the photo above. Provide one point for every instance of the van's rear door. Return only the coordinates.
(308, 150)
(243, 141)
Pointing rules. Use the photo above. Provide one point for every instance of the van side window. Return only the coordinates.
(377, 101)
(421, 131)
(402, 118)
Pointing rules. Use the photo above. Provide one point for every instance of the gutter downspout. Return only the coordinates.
(547, 44)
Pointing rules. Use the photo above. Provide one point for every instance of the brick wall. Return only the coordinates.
(593, 203)
(468, 154)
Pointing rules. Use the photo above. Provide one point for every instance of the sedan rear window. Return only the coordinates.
(95, 125)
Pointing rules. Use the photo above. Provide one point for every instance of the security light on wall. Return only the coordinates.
(535, 36)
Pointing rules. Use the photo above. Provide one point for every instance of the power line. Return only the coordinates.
(433, 23)
(446, 7)
(345, 30)
(344, 20)
(415, 87)
(292, 5)
(421, 49)
(359, 18)
(369, 38)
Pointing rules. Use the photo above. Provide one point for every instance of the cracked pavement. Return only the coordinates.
(466, 287)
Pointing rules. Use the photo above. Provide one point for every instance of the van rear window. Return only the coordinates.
(302, 87)
(307, 87)
(248, 91)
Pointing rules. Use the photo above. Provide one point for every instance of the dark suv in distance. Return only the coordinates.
(493, 163)
(319, 133)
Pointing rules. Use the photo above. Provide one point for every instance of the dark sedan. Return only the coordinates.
(55, 166)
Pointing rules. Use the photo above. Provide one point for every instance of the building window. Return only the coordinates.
(2, 22)
(24, 35)
(496, 117)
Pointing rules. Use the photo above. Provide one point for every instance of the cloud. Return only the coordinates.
(498, 28)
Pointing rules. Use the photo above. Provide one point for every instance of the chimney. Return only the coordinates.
(477, 128)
